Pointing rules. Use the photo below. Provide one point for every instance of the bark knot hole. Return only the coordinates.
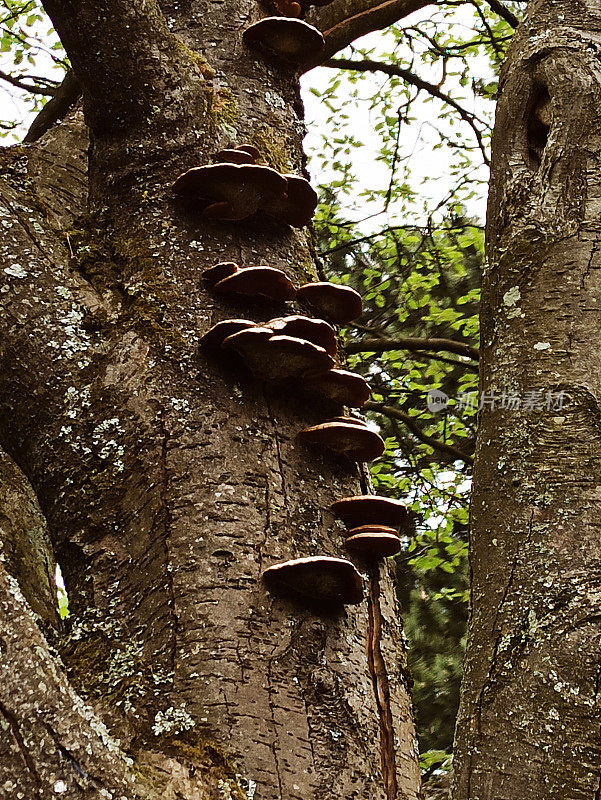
(538, 125)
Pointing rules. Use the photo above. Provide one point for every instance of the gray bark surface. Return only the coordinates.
(529, 719)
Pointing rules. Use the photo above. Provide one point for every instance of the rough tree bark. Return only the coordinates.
(166, 481)
(529, 718)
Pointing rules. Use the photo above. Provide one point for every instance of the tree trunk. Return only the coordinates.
(529, 719)
(168, 481)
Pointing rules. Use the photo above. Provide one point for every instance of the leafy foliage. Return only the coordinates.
(406, 231)
(35, 61)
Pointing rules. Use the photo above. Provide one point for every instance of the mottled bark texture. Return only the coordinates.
(169, 480)
(529, 723)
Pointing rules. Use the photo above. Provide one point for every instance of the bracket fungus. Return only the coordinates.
(356, 442)
(349, 421)
(372, 529)
(231, 155)
(285, 39)
(316, 580)
(339, 386)
(373, 541)
(224, 269)
(338, 303)
(240, 154)
(215, 336)
(288, 8)
(313, 330)
(232, 192)
(370, 509)
(276, 358)
(262, 282)
(377, 544)
(298, 207)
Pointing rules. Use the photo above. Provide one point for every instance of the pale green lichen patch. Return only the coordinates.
(272, 145)
(121, 265)
(107, 665)
(199, 756)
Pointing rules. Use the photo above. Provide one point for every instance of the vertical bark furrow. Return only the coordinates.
(381, 688)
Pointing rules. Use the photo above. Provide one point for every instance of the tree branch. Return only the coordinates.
(443, 447)
(34, 88)
(413, 344)
(504, 12)
(343, 21)
(367, 65)
(65, 97)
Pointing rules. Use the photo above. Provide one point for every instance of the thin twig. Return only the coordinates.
(395, 413)
(34, 88)
(413, 344)
(367, 65)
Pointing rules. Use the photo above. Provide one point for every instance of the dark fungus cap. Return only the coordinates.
(338, 303)
(313, 330)
(217, 273)
(267, 283)
(277, 358)
(299, 205)
(339, 386)
(374, 545)
(288, 8)
(370, 509)
(356, 442)
(349, 421)
(215, 336)
(240, 154)
(372, 529)
(231, 155)
(250, 149)
(285, 39)
(318, 579)
(232, 191)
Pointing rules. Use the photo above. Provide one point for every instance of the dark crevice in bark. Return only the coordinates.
(164, 471)
(379, 676)
(597, 795)
(23, 749)
(499, 634)
(276, 438)
(538, 125)
(274, 727)
(587, 272)
(71, 760)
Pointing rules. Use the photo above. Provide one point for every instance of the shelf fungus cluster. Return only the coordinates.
(302, 350)
(236, 187)
(372, 523)
(287, 40)
(291, 348)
